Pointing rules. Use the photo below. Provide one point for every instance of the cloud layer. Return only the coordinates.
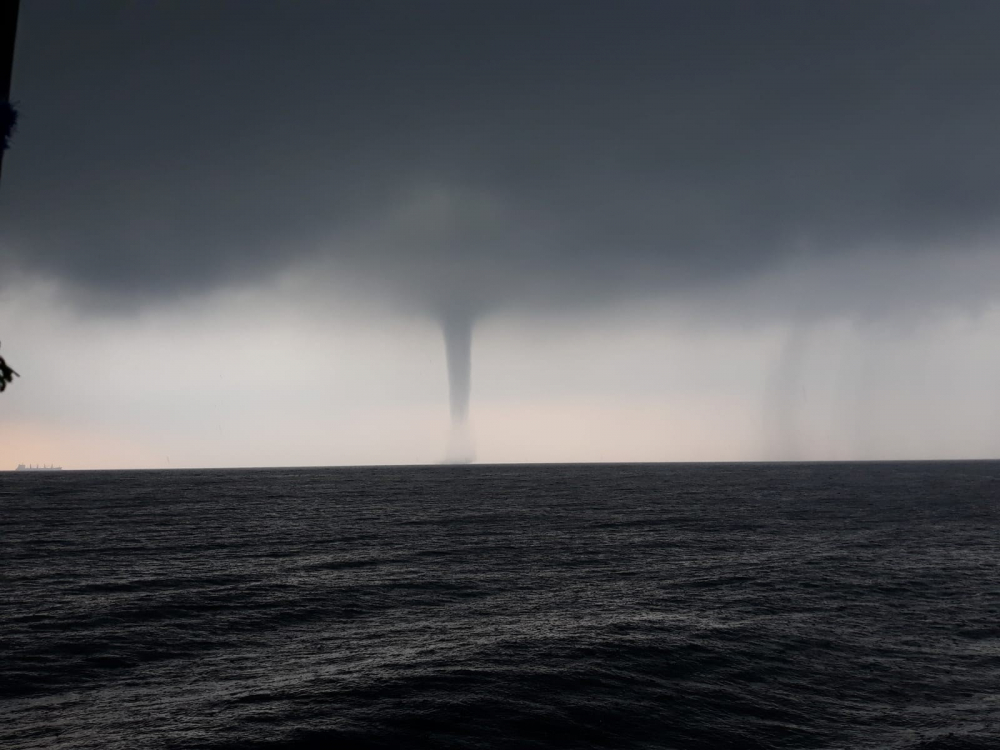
(475, 156)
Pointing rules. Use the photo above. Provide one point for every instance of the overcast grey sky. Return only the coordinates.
(750, 173)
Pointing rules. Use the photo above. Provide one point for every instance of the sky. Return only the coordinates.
(243, 233)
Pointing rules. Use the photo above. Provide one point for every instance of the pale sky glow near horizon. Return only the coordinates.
(213, 385)
(678, 230)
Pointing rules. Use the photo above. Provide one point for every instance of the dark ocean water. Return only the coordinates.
(635, 606)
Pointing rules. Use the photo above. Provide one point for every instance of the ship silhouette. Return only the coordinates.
(22, 467)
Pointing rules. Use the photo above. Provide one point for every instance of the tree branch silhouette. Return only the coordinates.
(8, 32)
(7, 375)
(8, 114)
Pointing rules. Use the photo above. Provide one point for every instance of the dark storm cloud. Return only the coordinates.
(475, 154)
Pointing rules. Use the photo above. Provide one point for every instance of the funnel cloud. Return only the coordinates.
(457, 329)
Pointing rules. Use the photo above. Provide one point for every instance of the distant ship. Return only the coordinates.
(22, 467)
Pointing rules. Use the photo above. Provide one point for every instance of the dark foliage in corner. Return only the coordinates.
(6, 374)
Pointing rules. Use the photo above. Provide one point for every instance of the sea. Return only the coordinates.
(826, 605)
